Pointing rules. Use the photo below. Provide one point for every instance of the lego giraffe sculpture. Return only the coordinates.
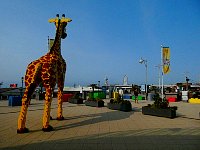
(48, 70)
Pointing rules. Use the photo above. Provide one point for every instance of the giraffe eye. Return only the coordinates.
(64, 35)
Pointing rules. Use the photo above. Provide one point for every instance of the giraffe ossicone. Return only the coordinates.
(49, 70)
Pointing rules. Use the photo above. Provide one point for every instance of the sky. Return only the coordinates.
(106, 38)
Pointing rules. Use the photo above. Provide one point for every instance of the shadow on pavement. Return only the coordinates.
(148, 139)
(96, 118)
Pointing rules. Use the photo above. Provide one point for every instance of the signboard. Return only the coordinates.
(143, 88)
(13, 85)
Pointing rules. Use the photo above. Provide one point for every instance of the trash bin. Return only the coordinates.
(140, 97)
(66, 97)
(126, 96)
(15, 100)
(150, 96)
(40, 96)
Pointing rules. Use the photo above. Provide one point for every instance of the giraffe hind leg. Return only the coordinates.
(47, 108)
(25, 102)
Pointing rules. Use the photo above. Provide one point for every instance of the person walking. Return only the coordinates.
(136, 95)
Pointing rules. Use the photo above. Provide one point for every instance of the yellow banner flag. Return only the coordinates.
(166, 59)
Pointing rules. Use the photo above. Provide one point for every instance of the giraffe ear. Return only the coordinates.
(66, 20)
(53, 20)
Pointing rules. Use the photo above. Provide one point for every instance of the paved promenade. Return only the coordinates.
(92, 128)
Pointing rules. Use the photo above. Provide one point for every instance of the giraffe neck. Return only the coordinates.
(56, 48)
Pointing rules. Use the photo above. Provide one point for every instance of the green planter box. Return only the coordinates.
(98, 94)
(139, 98)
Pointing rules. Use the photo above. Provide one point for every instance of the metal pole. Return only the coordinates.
(159, 77)
(22, 79)
(22, 82)
(142, 61)
(159, 88)
(146, 79)
(162, 92)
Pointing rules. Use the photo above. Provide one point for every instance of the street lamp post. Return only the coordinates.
(99, 84)
(187, 80)
(144, 61)
(22, 79)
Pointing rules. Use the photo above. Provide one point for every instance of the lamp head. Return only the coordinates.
(141, 60)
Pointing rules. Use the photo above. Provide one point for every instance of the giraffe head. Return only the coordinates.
(61, 23)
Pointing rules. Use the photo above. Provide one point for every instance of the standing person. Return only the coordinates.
(121, 92)
(136, 95)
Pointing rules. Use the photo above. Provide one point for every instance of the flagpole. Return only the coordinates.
(162, 73)
(159, 85)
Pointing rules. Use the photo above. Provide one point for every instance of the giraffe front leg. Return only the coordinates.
(61, 79)
(60, 101)
(47, 109)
